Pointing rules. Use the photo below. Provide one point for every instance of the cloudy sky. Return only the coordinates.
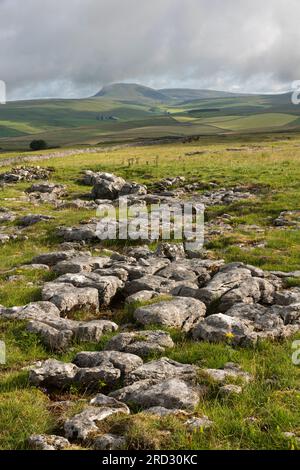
(70, 48)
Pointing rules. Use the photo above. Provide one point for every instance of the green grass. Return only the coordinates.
(256, 121)
(22, 413)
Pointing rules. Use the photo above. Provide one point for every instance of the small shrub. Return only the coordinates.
(38, 145)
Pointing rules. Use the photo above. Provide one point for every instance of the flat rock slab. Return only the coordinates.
(57, 189)
(162, 369)
(80, 264)
(141, 343)
(171, 394)
(151, 283)
(180, 312)
(141, 297)
(51, 259)
(32, 219)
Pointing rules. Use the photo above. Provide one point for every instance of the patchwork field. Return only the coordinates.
(129, 112)
(257, 223)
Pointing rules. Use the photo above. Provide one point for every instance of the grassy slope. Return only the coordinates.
(268, 407)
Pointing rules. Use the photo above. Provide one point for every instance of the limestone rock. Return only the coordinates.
(48, 442)
(84, 233)
(107, 186)
(51, 188)
(230, 371)
(107, 286)
(32, 219)
(230, 390)
(80, 264)
(162, 412)
(171, 393)
(94, 377)
(84, 425)
(141, 343)
(172, 251)
(162, 369)
(52, 373)
(287, 297)
(196, 424)
(223, 328)
(68, 298)
(180, 312)
(123, 362)
(141, 296)
(50, 259)
(109, 442)
(150, 283)
(226, 280)
(93, 330)
(52, 338)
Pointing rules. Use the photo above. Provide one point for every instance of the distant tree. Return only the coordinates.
(38, 145)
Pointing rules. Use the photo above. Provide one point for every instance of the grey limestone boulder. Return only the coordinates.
(68, 298)
(171, 394)
(141, 343)
(180, 312)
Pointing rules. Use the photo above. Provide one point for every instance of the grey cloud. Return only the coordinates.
(72, 47)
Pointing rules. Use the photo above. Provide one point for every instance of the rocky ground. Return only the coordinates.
(136, 302)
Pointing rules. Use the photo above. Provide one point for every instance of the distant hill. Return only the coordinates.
(127, 112)
(131, 92)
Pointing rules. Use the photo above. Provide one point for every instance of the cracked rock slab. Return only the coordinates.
(180, 312)
(223, 328)
(228, 278)
(107, 286)
(151, 283)
(171, 394)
